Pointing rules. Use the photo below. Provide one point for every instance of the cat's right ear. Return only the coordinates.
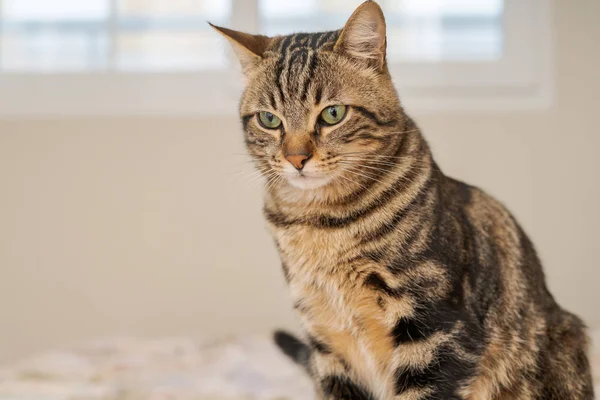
(248, 48)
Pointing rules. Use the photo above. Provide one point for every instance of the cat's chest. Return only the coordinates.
(318, 269)
(306, 249)
(334, 303)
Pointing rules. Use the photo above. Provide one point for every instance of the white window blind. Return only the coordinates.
(92, 35)
(172, 35)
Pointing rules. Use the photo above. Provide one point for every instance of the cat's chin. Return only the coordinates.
(308, 182)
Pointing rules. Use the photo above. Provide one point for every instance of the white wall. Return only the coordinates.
(140, 226)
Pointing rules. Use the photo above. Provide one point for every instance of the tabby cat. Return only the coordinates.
(409, 284)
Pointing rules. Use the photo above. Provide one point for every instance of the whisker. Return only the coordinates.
(378, 159)
(374, 165)
(352, 182)
(368, 167)
(273, 181)
(372, 156)
(373, 162)
(262, 174)
(364, 175)
(249, 174)
(247, 162)
(245, 154)
(399, 175)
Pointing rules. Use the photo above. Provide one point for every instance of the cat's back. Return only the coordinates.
(526, 332)
(498, 245)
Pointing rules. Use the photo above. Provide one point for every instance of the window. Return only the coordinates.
(160, 56)
(94, 35)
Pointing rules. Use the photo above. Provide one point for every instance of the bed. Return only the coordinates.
(248, 367)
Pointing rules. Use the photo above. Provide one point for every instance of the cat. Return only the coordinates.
(409, 284)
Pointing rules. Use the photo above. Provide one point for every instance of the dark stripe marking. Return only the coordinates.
(318, 95)
(285, 43)
(409, 330)
(444, 375)
(376, 282)
(246, 120)
(301, 307)
(272, 100)
(286, 271)
(280, 65)
(349, 136)
(278, 219)
(368, 136)
(318, 345)
(372, 116)
(373, 255)
(322, 39)
(390, 226)
(312, 41)
(311, 70)
(428, 318)
(342, 388)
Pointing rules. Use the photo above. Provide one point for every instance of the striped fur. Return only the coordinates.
(410, 285)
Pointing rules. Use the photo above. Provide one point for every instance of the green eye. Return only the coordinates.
(333, 114)
(268, 120)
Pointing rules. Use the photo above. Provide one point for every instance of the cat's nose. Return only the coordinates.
(298, 160)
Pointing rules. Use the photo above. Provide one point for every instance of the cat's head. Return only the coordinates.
(319, 110)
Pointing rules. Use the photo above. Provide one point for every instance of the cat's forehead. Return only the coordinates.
(282, 45)
(292, 78)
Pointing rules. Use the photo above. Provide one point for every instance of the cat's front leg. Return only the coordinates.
(329, 372)
(332, 377)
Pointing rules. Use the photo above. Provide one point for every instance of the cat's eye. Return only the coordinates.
(333, 114)
(268, 120)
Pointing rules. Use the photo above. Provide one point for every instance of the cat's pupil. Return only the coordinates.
(270, 117)
(333, 112)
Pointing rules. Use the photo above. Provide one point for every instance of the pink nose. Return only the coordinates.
(298, 160)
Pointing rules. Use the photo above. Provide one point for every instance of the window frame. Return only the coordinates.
(522, 79)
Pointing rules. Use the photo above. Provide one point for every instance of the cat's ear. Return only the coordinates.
(363, 37)
(248, 48)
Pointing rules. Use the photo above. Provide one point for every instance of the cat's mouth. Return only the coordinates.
(306, 180)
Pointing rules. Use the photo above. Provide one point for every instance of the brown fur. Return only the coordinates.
(409, 284)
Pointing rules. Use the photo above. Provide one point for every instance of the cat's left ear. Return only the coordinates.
(248, 48)
(363, 37)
